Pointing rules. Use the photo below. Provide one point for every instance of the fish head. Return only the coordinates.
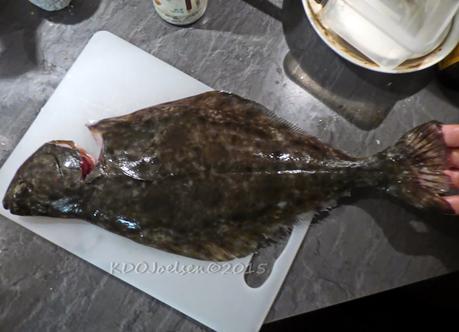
(48, 180)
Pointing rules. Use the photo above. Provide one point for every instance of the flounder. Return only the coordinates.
(215, 176)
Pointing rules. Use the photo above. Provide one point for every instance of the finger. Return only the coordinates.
(451, 135)
(453, 158)
(454, 177)
(454, 202)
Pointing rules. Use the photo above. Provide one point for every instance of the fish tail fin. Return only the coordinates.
(415, 168)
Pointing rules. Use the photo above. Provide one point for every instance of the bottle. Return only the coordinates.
(449, 70)
(180, 12)
(51, 5)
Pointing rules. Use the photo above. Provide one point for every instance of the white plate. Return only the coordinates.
(351, 54)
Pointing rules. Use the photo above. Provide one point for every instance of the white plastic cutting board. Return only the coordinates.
(112, 77)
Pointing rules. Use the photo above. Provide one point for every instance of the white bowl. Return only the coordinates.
(351, 54)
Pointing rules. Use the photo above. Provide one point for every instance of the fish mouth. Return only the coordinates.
(87, 162)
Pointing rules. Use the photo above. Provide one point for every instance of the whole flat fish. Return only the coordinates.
(215, 176)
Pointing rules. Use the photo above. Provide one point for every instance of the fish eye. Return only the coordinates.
(22, 187)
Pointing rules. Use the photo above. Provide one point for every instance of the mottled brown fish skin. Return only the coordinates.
(48, 184)
(212, 176)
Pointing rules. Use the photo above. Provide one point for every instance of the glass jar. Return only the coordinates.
(180, 12)
(51, 5)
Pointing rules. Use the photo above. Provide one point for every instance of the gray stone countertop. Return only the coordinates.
(262, 50)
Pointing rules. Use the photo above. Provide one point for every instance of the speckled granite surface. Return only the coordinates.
(263, 50)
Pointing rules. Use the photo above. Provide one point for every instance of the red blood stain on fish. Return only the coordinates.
(87, 163)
